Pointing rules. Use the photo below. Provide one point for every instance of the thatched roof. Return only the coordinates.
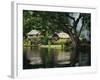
(63, 35)
(33, 32)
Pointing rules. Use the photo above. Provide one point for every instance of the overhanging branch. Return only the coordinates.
(67, 15)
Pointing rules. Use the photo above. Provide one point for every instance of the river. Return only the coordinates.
(35, 57)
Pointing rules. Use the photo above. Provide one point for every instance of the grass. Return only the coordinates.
(45, 46)
(50, 46)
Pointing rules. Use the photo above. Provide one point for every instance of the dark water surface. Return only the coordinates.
(34, 57)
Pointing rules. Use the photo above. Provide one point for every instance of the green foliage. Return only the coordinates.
(36, 40)
(49, 22)
(42, 20)
(45, 40)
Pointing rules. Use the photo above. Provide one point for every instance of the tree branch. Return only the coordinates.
(80, 30)
(70, 17)
(76, 22)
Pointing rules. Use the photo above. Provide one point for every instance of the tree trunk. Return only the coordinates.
(75, 53)
(75, 45)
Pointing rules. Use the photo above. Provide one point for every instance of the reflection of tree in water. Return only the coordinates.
(48, 57)
(54, 57)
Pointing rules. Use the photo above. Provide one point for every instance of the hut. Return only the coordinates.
(60, 37)
(63, 35)
(33, 33)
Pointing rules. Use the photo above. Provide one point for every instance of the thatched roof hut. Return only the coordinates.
(62, 35)
(33, 33)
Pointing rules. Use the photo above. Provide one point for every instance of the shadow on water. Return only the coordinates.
(34, 57)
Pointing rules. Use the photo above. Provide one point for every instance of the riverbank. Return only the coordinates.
(45, 46)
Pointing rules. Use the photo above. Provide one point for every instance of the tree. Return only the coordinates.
(75, 34)
(50, 22)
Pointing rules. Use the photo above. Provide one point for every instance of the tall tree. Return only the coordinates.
(75, 34)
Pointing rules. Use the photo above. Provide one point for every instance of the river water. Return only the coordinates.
(35, 57)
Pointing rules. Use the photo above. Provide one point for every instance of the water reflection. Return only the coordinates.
(35, 57)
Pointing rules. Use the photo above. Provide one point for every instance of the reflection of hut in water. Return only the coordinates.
(63, 58)
(33, 33)
(60, 37)
(33, 55)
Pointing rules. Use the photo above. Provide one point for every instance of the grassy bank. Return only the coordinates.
(45, 46)
(51, 46)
